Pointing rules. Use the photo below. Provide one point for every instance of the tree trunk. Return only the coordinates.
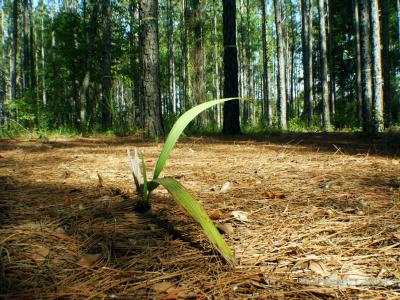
(198, 57)
(324, 67)
(398, 19)
(32, 64)
(85, 97)
(54, 77)
(185, 55)
(358, 58)
(266, 101)
(106, 67)
(171, 57)
(331, 56)
(306, 41)
(387, 94)
(25, 65)
(231, 123)
(377, 67)
(135, 63)
(396, 113)
(248, 83)
(151, 69)
(365, 64)
(216, 78)
(14, 49)
(3, 85)
(291, 57)
(281, 84)
(42, 54)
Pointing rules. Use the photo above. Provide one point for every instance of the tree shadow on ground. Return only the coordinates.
(73, 222)
(348, 143)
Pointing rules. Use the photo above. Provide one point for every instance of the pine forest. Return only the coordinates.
(199, 149)
(126, 66)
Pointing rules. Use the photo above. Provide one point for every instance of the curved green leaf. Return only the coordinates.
(178, 128)
(194, 208)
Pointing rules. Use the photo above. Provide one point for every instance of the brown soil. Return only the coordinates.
(322, 209)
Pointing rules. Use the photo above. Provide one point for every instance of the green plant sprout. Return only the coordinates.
(178, 192)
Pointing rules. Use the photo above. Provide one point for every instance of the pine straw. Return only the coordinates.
(325, 213)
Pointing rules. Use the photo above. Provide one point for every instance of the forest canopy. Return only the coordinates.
(123, 66)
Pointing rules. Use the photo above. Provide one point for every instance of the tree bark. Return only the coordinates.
(231, 123)
(377, 67)
(3, 81)
(185, 55)
(85, 97)
(281, 84)
(387, 93)
(331, 59)
(241, 56)
(171, 58)
(398, 19)
(32, 64)
(248, 83)
(14, 49)
(42, 55)
(358, 58)
(198, 57)
(306, 40)
(326, 122)
(292, 61)
(267, 115)
(151, 69)
(25, 65)
(106, 67)
(365, 65)
(216, 78)
(135, 63)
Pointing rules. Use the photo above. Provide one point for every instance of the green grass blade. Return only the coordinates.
(178, 128)
(194, 208)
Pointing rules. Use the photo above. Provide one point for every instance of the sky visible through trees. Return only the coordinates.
(126, 66)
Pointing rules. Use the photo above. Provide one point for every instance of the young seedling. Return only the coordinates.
(178, 192)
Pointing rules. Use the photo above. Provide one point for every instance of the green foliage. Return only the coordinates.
(179, 127)
(178, 192)
(189, 204)
(23, 108)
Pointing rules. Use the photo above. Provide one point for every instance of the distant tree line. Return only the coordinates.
(100, 65)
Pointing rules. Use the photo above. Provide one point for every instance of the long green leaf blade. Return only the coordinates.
(178, 128)
(194, 208)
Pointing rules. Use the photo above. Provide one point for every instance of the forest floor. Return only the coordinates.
(323, 219)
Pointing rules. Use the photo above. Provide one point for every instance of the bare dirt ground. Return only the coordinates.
(323, 219)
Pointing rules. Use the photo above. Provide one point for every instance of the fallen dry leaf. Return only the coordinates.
(240, 215)
(162, 287)
(226, 228)
(88, 260)
(67, 202)
(40, 254)
(215, 214)
(226, 187)
(271, 195)
(130, 216)
(355, 273)
(318, 268)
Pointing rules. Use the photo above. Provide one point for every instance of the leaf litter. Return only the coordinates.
(307, 237)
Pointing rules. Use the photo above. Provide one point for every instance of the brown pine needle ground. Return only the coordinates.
(323, 219)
